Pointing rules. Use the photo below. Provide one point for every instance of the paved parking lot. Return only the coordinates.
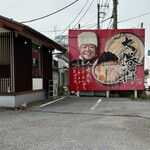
(78, 123)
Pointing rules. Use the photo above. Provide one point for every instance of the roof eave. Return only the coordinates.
(21, 28)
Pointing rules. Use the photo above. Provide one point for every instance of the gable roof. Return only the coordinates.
(11, 25)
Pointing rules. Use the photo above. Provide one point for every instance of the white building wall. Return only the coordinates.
(37, 83)
(55, 82)
(18, 100)
(62, 65)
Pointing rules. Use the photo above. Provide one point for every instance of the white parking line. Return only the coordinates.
(96, 104)
(52, 102)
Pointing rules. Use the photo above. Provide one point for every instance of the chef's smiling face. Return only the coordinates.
(87, 51)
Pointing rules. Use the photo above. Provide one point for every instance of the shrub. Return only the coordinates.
(60, 90)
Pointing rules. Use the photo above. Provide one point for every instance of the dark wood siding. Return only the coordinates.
(23, 63)
(47, 66)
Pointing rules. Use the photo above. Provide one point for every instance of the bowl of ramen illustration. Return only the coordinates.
(107, 69)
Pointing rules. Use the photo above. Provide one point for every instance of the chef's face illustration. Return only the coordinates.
(87, 51)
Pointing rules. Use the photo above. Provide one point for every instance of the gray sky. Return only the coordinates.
(21, 10)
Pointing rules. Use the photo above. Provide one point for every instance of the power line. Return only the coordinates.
(80, 18)
(110, 24)
(94, 24)
(49, 14)
(134, 17)
(84, 14)
(109, 13)
(53, 30)
(104, 11)
(75, 17)
(87, 25)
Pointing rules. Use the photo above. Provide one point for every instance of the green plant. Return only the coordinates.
(128, 93)
(143, 95)
(146, 72)
(60, 90)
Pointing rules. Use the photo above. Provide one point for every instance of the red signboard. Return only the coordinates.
(106, 59)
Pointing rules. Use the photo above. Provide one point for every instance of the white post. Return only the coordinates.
(135, 93)
(107, 94)
(78, 94)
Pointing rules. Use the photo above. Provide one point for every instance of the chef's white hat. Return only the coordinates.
(87, 38)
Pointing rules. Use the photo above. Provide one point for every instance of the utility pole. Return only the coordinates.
(98, 16)
(100, 13)
(115, 20)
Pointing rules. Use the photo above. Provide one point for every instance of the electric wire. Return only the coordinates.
(72, 22)
(109, 14)
(95, 24)
(92, 26)
(134, 17)
(104, 14)
(53, 30)
(101, 14)
(88, 25)
(49, 14)
(110, 24)
(75, 17)
(80, 18)
(84, 14)
(108, 17)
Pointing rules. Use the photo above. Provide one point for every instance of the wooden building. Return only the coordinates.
(25, 60)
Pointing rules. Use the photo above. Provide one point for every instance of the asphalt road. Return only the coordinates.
(78, 123)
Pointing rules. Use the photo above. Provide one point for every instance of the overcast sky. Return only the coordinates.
(82, 11)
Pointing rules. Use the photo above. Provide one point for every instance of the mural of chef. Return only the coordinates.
(87, 47)
(106, 59)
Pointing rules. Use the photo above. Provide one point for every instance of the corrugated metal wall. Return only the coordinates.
(16, 63)
(6, 62)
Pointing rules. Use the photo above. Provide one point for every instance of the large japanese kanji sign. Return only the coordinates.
(106, 59)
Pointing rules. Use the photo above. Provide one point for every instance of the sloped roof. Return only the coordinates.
(12, 25)
(64, 56)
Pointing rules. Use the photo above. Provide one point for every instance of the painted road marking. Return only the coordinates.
(97, 103)
(52, 102)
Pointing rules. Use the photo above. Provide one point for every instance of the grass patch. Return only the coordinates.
(130, 94)
(143, 95)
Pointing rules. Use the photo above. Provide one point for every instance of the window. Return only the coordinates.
(36, 61)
